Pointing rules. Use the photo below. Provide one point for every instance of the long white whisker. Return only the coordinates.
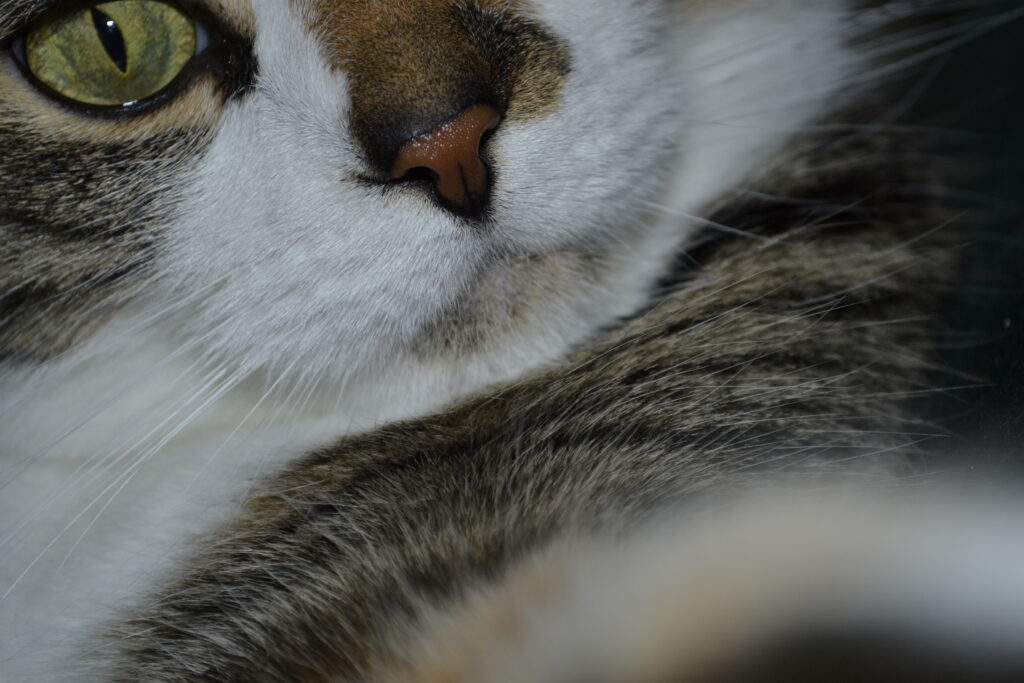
(229, 384)
(238, 427)
(103, 403)
(95, 467)
(129, 473)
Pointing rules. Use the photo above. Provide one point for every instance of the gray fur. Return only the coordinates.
(79, 221)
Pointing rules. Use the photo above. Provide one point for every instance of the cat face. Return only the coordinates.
(346, 185)
(259, 192)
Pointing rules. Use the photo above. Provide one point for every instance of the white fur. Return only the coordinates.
(300, 296)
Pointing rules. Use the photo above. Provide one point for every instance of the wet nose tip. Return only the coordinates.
(451, 155)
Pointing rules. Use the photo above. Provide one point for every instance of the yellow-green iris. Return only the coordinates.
(112, 53)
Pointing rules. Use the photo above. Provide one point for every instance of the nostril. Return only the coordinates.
(449, 157)
(419, 173)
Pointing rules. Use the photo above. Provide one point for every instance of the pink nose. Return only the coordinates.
(451, 157)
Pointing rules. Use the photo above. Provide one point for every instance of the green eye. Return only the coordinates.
(112, 53)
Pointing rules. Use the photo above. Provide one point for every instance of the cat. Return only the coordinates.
(320, 314)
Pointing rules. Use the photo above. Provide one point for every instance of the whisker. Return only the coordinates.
(95, 467)
(229, 384)
(103, 403)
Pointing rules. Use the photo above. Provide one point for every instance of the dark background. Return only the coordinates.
(978, 90)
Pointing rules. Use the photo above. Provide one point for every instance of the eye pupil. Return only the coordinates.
(111, 53)
(110, 36)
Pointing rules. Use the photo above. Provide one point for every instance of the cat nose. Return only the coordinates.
(450, 157)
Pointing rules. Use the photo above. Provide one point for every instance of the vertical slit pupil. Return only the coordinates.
(110, 36)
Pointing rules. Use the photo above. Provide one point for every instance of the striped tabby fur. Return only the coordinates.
(270, 414)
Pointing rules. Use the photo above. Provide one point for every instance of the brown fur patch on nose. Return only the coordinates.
(414, 65)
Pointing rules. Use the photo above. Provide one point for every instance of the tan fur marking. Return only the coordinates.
(413, 65)
(236, 13)
(345, 26)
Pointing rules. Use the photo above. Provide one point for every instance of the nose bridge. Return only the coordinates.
(410, 78)
(411, 66)
(415, 66)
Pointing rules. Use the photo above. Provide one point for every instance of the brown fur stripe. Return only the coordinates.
(76, 219)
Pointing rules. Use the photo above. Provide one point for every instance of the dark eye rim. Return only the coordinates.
(217, 50)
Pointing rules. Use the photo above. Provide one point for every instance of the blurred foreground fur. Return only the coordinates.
(837, 584)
